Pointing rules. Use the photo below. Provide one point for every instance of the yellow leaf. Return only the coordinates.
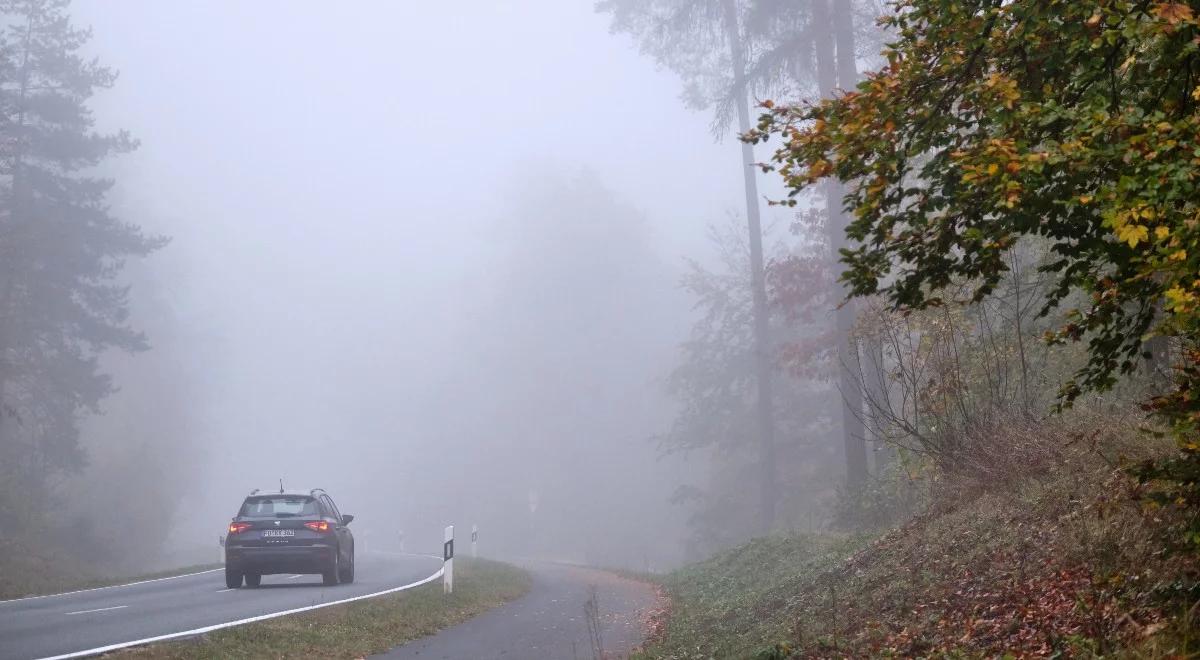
(1178, 298)
(1005, 87)
(993, 168)
(1179, 255)
(1133, 234)
(1161, 232)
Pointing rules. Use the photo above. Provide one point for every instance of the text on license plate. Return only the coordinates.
(278, 532)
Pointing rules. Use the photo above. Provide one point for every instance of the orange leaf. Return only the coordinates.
(1173, 12)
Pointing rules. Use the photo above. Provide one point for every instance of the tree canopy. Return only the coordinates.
(1073, 121)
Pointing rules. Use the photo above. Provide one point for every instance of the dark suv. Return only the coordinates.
(289, 532)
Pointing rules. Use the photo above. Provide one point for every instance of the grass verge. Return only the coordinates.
(359, 629)
(23, 581)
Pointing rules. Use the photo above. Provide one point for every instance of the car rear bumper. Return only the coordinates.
(268, 560)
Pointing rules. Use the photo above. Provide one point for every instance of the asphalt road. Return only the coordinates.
(550, 622)
(50, 626)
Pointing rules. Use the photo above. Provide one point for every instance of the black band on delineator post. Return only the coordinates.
(448, 550)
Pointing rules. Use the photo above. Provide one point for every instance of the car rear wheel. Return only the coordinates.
(330, 576)
(346, 575)
(233, 579)
(253, 579)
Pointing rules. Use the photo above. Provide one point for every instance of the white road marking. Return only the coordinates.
(111, 586)
(99, 609)
(405, 554)
(224, 590)
(219, 626)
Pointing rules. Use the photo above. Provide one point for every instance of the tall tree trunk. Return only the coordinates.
(766, 421)
(855, 436)
(836, 69)
(875, 386)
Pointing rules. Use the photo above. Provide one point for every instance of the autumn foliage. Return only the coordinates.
(1072, 123)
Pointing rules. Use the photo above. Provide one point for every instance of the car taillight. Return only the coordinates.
(238, 527)
(317, 526)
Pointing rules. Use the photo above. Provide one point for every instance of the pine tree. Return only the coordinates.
(61, 251)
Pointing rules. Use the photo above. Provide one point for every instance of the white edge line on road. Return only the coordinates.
(219, 626)
(98, 609)
(111, 586)
(404, 554)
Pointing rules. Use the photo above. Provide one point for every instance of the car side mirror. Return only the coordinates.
(347, 519)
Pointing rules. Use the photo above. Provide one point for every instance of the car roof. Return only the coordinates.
(291, 492)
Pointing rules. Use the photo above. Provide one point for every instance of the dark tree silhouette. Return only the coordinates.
(61, 251)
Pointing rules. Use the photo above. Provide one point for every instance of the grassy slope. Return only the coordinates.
(24, 573)
(1067, 563)
(358, 629)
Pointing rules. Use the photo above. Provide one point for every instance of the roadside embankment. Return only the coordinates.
(1071, 562)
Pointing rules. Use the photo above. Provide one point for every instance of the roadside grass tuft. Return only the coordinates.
(358, 629)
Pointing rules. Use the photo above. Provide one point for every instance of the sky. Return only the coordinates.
(339, 180)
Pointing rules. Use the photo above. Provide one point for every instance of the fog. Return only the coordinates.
(423, 255)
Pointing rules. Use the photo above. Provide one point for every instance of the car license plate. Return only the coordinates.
(267, 533)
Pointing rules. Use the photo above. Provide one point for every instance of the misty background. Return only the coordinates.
(425, 256)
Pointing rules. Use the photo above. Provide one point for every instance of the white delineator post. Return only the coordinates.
(448, 561)
(474, 541)
(221, 549)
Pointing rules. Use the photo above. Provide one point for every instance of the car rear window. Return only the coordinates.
(279, 506)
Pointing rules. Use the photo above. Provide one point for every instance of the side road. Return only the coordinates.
(568, 613)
